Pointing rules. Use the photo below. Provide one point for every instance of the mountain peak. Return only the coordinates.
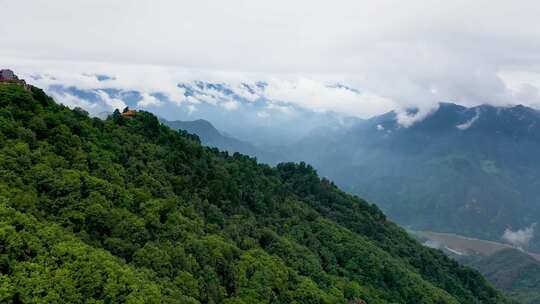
(451, 105)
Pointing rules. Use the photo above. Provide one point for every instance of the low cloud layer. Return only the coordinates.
(521, 237)
(406, 117)
(464, 126)
(398, 54)
(180, 87)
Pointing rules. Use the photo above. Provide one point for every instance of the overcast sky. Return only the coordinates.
(397, 53)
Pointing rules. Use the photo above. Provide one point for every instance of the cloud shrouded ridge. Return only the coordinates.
(158, 86)
(414, 53)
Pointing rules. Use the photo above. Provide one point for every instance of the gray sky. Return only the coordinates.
(397, 53)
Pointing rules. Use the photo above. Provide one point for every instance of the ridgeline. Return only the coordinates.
(127, 210)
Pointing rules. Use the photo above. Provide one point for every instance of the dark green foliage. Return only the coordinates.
(435, 176)
(129, 211)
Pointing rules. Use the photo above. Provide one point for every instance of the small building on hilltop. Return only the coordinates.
(7, 76)
(129, 113)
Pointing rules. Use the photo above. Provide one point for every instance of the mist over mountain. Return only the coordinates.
(128, 210)
(210, 136)
(472, 171)
(352, 152)
(468, 170)
(262, 113)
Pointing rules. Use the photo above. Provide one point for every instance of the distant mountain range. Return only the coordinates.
(127, 210)
(210, 136)
(473, 171)
(251, 111)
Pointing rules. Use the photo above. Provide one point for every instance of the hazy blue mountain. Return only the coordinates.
(212, 137)
(128, 210)
(203, 128)
(473, 171)
(246, 110)
(465, 170)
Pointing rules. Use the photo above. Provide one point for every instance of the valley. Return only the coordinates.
(464, 246)
(126, 208)
(512, 269)
(434, 175)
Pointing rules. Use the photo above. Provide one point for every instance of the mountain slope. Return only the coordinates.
(128, 210)
(513, 271)
(210, 136)
(472, 171)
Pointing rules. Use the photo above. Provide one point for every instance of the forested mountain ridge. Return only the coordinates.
(466, 170)
(212, 137)
(127, 210)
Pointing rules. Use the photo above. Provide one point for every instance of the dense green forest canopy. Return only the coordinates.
(471, 171)
(126, 210)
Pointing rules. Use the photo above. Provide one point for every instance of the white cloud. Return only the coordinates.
(114, 103)
(230, 105)
(210, 99)
(191, 109)
(148, 100)
(521, 237)
(406, 118)
(469, 123)
(244, 93)
(282, 92)
(263, 114)
(72, 101)
(316, 95)
(192, 100)
(401, 54)
(281, 108)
